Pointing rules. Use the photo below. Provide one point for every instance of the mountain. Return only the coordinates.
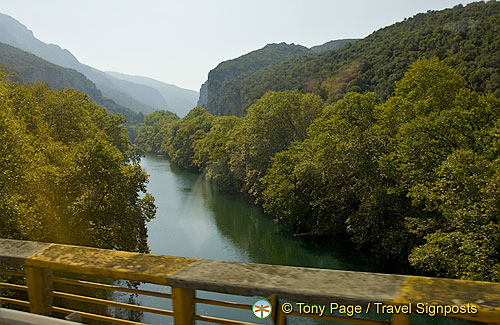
(333, 45)
(28, 68)
(180, 101)
(228, 70)
(203, 99)
(138, 97)
(25, 67)
(466, 38)
(257, 60)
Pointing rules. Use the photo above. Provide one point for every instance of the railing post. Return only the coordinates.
(183, 305)
(400, 319)
(277, 314)
(39, 290)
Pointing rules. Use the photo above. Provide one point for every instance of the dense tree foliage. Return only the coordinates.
(211, 151)
(69, 172)
(314, 185)
(154, 129)
(275, 121)
(413, 179)
(184, 135)
(414, 176)
(441, 154)
(466, 38)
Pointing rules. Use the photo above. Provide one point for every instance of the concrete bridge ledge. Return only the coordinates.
(17, 251)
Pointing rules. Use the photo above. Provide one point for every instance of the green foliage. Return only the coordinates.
(471, 255)
(232, 151)
(211, 153)
(67, 172)
(327, 183)
(466, 38)
(465, 194)
(440, 155)
(154, 130)
(180, 141)
(271, 125)
(414, 179)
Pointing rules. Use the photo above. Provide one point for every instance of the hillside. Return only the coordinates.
(269, 55)
(333, 45)
(466, 38)
(180, 101)
(138, 97)
(28, 68)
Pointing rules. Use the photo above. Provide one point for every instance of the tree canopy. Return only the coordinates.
(69, 171)
(414, 178)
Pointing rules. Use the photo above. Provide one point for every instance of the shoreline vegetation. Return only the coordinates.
(391, 141)
(70, 174)
(414, 179)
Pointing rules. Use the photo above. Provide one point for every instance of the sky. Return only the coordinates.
(179, 42)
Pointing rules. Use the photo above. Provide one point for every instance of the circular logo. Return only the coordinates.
(262, 308)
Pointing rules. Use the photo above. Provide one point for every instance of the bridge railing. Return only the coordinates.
(292, 291)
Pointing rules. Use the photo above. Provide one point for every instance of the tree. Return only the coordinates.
(441, 157)
(317, 185)
(212, 152)
(179, 143)
(271, 125)
(69, 175)
(154, 130)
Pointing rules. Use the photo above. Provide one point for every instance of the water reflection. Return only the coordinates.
(254, 235)
(194, 219)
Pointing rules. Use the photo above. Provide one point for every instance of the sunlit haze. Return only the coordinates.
(179, 42)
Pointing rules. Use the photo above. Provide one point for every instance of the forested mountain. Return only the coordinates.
(139, 98)
(269, 55)
(228, 70)
(333, 45)
(180, 101)
(28, 68)
(25, 67)
(466, 38)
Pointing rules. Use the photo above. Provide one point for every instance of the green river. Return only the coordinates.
(194, 219)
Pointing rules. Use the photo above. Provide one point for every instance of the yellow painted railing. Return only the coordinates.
(292, 291)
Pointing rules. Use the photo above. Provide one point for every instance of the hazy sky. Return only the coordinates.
(178, 42)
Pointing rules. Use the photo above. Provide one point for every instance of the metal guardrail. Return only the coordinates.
(306, 290)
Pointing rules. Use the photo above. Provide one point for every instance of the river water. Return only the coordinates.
(194, 219)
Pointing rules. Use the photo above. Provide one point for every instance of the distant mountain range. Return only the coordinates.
(180, 100)
(138, 95)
